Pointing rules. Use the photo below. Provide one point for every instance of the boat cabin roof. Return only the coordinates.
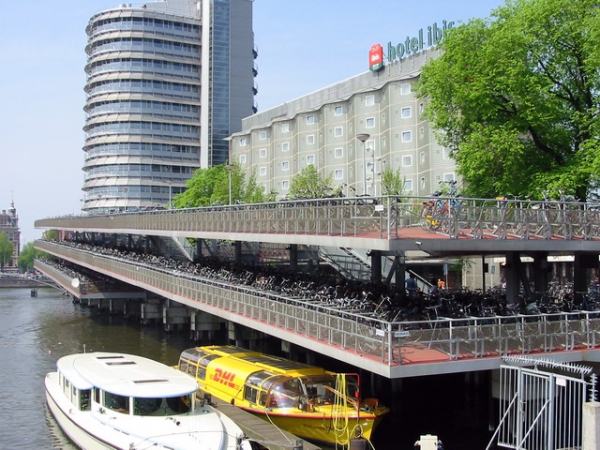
(247, 361)
(126, 375)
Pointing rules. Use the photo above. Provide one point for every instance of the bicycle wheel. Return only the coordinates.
(426, 216)
(367, 340)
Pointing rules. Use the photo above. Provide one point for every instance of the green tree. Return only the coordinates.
(211, 187)
(515, 98)
(310, 184)
(28, 254)
(393, 183)
(6, 250)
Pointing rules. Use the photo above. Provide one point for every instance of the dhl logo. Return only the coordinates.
(224, 378)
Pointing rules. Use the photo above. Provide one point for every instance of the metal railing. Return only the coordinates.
(384, 217)
(388, 343)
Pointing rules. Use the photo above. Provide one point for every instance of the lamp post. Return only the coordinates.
(363, 137)
(229, 168)
(170, 182)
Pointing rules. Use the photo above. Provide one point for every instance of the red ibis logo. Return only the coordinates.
(376, 58)
(224, 377)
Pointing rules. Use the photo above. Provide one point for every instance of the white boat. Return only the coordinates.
(120, 401)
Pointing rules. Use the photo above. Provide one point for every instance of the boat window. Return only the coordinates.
(116, 402)
(262, 398)
(257, 378)
(319, 389)
(272, 379)
(285, 394)
(192, 369)
(84, 400)
(192, 354)
(146, 406)
(184, 365)
(202, 365)
(179, 405)
(162, 406)
(250, 394)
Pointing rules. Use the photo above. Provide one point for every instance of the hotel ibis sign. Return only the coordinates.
(425, 38)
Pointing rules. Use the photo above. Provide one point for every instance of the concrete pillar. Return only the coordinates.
(375, 266)
(400, 273)
(540, 271)
(581, 264)
(293, 249)
(198, 255)
(512, 274)
(237, 251)
(590, 440)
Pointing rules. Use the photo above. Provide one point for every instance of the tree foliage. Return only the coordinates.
(211, 187)
(393, 183)
(28, 254)
(6, 250)
(310, 184)
(515, 98)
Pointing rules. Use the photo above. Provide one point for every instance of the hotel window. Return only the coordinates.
(422, 157)
(338, 152)
(370, 145)
(422, 183)
(285, 184)
(406, 136)
(448, 177)
(407, 161)
(369, 100)
(370, 122)
(310, 159)
(262, 135)
(262, 153)
(408, 186)
(446, 153)
(310, 139)
(243, 142)
(405, 88)
(406, 112)
(285, 165)
(285, 127)
(310, 120)
(285, 146)
(338, 131)
(242, 159)
(262, 171)
(421, 108)
(338, 111)
(339, 174)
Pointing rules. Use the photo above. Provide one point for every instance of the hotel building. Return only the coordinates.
(167, 82)
(353, 130)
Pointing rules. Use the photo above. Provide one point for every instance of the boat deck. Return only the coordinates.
(261, 431)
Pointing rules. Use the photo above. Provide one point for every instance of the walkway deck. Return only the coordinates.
(261, 431)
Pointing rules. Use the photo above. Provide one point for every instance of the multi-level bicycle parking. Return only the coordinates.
(374, 324)
(456, 326)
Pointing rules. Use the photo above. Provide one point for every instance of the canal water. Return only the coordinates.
(36, 331)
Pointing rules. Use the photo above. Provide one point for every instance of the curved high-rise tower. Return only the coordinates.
(166, 83)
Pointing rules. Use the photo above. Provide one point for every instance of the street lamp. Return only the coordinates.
(363, 137)
(229, 168)
(170, 183)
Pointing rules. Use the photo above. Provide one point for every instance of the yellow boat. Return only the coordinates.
(307, 401)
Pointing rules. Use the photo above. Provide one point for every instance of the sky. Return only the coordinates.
(302, 47)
